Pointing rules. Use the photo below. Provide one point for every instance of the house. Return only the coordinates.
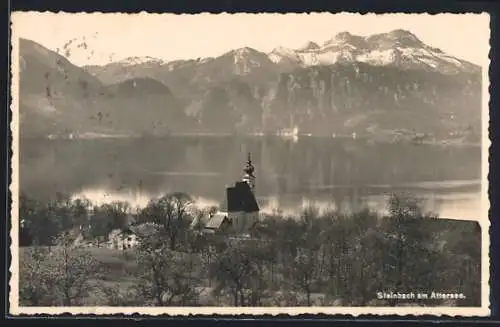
(122, 239)
(217, 222)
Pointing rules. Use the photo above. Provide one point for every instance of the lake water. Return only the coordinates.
(331, 173)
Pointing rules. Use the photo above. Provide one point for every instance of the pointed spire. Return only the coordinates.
(249, 168)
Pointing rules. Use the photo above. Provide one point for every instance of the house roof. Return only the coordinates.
(144, 229)
(216, 220)
(241, 198)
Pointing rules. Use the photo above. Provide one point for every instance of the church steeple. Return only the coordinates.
(249, 176)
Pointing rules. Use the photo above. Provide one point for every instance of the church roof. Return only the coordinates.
(216, 220)
(241, 198)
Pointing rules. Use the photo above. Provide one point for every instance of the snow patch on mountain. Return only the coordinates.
(325, 58)
(281, 53)
(378, 57)
(204, 60)
(132, 61)
(451, 59)
(429, 62)
(239, 55)
(312, 59)
(246, 59)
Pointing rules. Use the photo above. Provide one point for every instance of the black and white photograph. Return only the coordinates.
(250, 163)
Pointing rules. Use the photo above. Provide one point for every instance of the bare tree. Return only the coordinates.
(407, 239)
(166, 277)
(171, 213)
(58, 277)
(305, 272)
(235, 270)
(33, 274)
(115, 214)
(72, 270)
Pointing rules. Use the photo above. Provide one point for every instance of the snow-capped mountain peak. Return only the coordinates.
(345, 39)
(399, 48)
(308, 46)
(395, 38)
(402, 35)
(244, 51)
(342, 37)
(246, 59)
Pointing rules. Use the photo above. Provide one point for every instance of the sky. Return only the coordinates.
(112, 37)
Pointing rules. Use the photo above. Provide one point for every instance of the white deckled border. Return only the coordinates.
(15, 309)
(14, 185)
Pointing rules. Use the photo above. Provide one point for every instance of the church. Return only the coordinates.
(242, 207)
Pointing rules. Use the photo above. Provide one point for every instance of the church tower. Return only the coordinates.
(249, 176)
(242, 206)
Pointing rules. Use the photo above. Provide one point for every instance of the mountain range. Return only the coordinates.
(376, 85)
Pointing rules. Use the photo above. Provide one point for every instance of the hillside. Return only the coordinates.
(57, 97)
(346, 98)
(379, 85)
(142, 106)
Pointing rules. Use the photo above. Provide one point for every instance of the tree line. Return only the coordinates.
(315, 259)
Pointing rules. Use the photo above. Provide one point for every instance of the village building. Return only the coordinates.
(242, 207)
(217, 222)
(122, 239)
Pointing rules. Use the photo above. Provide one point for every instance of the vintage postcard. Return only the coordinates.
(250, 164)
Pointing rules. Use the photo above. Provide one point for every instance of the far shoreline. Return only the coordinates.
(295, 138)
